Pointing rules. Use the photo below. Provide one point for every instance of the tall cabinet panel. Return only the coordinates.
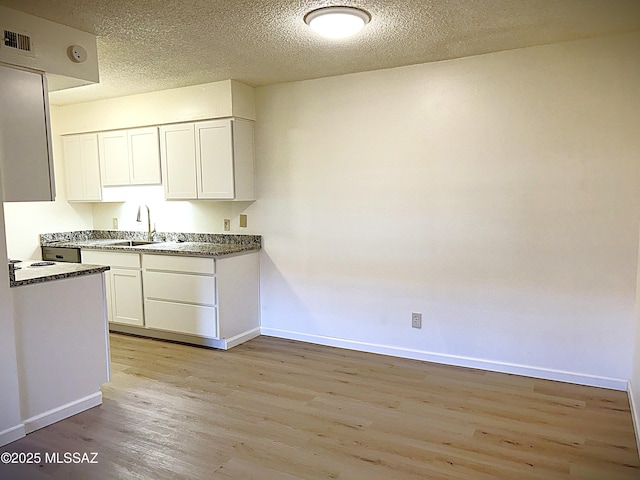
(25, 138)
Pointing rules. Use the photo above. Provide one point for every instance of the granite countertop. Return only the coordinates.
(27, 274)
(167, 243)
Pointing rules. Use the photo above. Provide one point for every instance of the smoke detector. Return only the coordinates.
(77, 53)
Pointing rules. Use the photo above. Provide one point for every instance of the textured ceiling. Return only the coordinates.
(147, 45)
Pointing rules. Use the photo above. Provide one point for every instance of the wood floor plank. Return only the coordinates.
(274, 409)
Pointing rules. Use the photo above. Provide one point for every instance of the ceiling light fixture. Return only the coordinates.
(337, 22)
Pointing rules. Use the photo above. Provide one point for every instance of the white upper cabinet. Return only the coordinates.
(178, 153)
(130, 157)
(114, 158)
(214, 159)
(25, 148)
(144, 156)
(208, 160)
(82, 167)
(243, 159)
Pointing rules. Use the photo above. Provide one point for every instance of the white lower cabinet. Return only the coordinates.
(205, 301)
(180, 295)
(123, 285)
(126, 292)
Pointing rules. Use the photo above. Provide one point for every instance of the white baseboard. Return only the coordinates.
(222, 343)
(635, 415)
(243, 337)
(511, 368)
(60, 413)
(12, 434)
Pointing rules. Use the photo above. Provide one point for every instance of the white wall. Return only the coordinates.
(202, 216)
(26, 220)
(498, 195)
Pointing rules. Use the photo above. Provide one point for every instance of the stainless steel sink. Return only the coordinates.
(133, 243)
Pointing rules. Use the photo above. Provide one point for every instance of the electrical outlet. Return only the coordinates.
(115, 223)
(227, 224)
(416, 320)
(243, 220)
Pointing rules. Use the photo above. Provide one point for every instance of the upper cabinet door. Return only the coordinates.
(144, 156)
(73, 167)
(91, 167)
(178, 156)
(114, 158)
(214, 159)
(25, 144)
(82, 167)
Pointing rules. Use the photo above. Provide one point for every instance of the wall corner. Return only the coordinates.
(243, 102)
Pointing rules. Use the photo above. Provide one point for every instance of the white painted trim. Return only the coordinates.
(62, 412)
(635, 415)
(242, 337)
(221, 343)
(12, 434)
(460, 361)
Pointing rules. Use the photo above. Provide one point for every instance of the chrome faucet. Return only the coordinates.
(149, 231)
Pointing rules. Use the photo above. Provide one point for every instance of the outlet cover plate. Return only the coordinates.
(416, 320)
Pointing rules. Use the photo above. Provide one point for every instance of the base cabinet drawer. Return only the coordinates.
(178, 287)
(167, 263)
(113, 259)
(181, 318)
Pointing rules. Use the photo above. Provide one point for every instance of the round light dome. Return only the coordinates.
(337, 22)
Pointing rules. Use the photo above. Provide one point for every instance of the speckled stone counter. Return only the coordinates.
(25, 274)
(168, 243)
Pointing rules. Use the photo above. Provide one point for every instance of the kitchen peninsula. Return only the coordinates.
(62, 340)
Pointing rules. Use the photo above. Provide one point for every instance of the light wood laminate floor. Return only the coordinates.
(274, 409)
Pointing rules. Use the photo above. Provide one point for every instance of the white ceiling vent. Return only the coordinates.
(18, 42)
